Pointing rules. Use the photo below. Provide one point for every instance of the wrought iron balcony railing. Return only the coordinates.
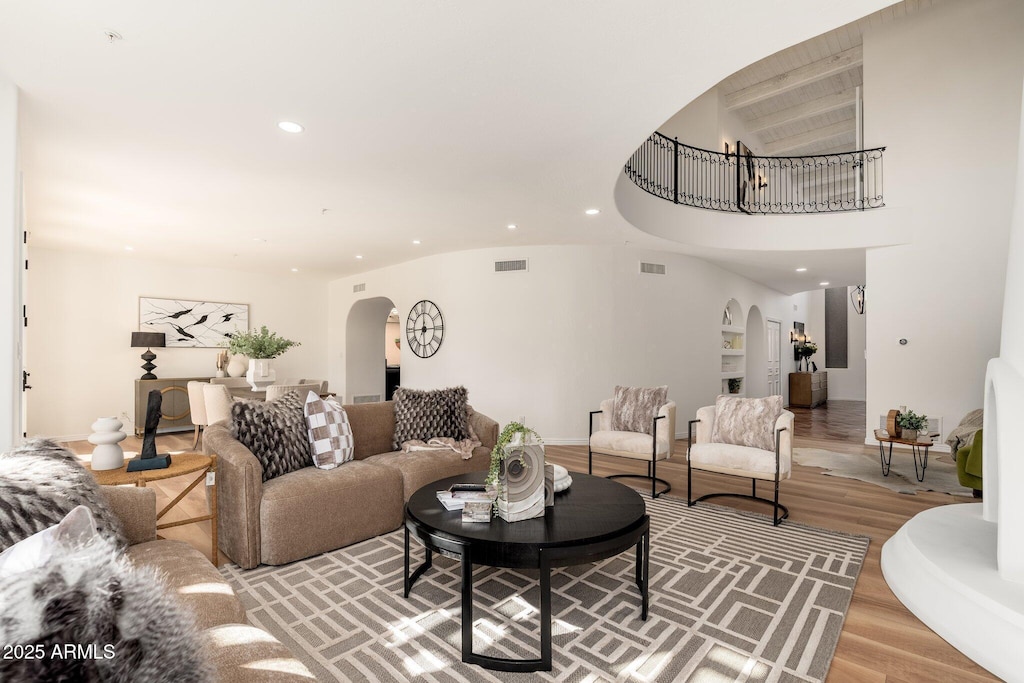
(744, 183)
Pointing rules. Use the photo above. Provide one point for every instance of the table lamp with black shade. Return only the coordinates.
(147, 340)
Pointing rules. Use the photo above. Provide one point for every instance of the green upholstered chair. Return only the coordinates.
(968, 465)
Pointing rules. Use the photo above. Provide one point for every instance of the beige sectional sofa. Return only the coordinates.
(237, 651)
(312, 511)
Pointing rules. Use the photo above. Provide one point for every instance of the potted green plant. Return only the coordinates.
(734, 384)
(260, 346)
(911, 423)
(804, 352)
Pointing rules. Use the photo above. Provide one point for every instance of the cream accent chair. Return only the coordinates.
(634, 445)
(197, 408)
(275, 391)
(740, 461)
(218, 403)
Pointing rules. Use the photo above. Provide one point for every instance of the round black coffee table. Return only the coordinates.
(595, 519)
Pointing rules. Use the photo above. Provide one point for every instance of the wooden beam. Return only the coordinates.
(809, 73)
(804, 110)
(810, 137)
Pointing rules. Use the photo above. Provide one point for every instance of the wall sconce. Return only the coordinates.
(857, 298)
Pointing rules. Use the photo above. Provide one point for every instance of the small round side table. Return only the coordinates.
(181, 464)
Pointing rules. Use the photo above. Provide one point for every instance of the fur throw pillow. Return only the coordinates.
(424, 415)
(40, 483)
(746, 421)
(91, 615)
(636, 407)
(275, 432)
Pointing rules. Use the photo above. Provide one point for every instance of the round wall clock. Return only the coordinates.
(425, 329)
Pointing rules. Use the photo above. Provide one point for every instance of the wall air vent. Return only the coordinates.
(361, 287)
(511, 266)
(652, 268)
(367, 398)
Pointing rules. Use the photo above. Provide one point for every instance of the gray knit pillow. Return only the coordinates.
(40, 483)
(423, 415)
(275, 432)
(636, 407)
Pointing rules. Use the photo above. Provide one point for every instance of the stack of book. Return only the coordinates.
(474, 500)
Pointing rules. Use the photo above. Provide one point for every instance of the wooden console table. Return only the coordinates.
(808, 389)
(181, 464)
(175, 413)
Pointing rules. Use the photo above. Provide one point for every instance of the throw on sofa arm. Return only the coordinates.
(239, 492)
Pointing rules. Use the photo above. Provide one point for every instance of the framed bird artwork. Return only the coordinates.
(199, 324)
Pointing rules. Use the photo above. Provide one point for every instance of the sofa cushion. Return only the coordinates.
(275, 432)
(312, 511)
(738, 460)
(199, 586)
(419, 468)
(40, 483)
(373, 427)
(77, 528)
(239, 653)
(423, 415)
(330, 436)
(746, 421)
(627, 444)
(636, 407)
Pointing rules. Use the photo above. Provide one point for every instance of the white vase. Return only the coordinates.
(106, 436)
(522, 475)
(237, 365)
(261, 373)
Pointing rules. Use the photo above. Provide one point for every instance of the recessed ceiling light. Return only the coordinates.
(290, 127)
(511, 226)
(592, 212)
(823, 284)
(358, 256)
(129, 248)
(801, 270)
(415, 241)
(295, 270)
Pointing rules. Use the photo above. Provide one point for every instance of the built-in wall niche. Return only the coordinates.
(734, 361)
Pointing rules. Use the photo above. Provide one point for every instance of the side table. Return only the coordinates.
(181, 464)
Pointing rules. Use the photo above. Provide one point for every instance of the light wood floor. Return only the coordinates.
(881, 639)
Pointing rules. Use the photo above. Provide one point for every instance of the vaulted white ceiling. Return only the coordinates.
(439, 121)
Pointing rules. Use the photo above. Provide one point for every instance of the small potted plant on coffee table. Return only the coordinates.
(911, 423)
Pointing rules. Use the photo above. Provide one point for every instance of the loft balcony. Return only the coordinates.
(741, 182)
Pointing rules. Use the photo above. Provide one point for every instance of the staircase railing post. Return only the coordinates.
(675, 170)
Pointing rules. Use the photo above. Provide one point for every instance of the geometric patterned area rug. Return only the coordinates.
(731, 599)
(940, 475)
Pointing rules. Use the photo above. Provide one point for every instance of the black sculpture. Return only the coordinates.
(149, 460)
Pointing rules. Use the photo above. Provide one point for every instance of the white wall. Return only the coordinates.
(10, 269)
(706, 123)
(83, 307)
(850, 383)
(943, 93)
(393, 331)
(553, 342)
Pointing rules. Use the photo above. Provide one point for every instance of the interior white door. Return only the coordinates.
(774, 358)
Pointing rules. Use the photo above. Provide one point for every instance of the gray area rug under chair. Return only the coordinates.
(940, 475)
(732, 598)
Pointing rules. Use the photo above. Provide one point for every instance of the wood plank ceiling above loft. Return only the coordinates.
(801, 100)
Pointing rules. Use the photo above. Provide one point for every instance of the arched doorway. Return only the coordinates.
(366, 351)
(757, 355)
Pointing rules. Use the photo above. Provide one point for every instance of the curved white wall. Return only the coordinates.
(552, 342)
